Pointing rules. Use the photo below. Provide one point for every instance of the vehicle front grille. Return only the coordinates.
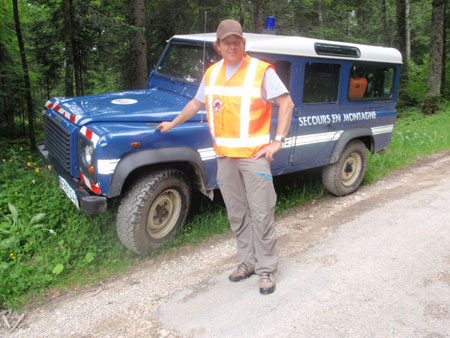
(57, 142)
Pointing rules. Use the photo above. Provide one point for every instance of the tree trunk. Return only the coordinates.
(78, 68)
(26, 77)
(8, 110)
(444, 53)
(320, 19)
(401, 43)
(137, 16)
(242, 13)
(384, 35)
(436, 48)
(68, 44)
(408, 29)
(258, 16)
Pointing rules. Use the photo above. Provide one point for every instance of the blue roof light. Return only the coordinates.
(269, 27)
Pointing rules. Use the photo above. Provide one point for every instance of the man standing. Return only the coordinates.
(237, 92)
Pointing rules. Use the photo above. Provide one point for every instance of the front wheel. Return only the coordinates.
(153, 210)
(346, 175)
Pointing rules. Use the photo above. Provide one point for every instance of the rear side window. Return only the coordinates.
(283, 69)
(321, 82)
(369, 82)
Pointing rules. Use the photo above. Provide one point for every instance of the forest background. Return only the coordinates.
(51, 48)
(54, 48)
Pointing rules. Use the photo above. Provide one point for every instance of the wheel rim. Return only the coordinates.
(164, 213)
(351, 169)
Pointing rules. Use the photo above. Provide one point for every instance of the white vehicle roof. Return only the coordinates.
(300, 46)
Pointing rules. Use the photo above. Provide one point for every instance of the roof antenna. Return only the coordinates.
(204, 56)
(204, 43)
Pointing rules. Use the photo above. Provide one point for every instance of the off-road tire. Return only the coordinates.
(346, 175)
(153, 210)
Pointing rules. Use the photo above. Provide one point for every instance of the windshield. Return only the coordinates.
(184, 61)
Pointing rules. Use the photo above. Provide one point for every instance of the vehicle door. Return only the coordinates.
(318, 121)
(285, 66)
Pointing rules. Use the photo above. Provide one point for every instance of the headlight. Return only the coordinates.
(89, 154)
(86, 157)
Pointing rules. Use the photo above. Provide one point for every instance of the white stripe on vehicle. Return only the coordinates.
(383, 129)
(207, 154)
(297, 141)
(106, 167)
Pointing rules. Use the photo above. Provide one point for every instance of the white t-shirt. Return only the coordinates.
(272, 85)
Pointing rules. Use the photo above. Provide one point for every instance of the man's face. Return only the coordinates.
(232, 49)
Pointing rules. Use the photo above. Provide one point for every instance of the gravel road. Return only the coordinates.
(372, 264)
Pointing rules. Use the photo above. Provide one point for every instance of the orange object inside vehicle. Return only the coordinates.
(357, 87)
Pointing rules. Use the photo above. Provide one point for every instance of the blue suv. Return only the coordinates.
(106, 146)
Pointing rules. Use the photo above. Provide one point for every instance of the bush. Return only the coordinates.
(431, 104)
(44, 240)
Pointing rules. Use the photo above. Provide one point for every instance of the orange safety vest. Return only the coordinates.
(238, 117)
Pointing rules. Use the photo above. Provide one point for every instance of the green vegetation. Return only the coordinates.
(414, 135)
(46, 244)
(44, 240)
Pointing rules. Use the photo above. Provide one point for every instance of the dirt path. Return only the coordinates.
(135, 305)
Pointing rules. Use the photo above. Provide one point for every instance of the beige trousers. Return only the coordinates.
(247, 189)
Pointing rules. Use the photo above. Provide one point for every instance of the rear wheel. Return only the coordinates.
(346, 175)
(153, 210)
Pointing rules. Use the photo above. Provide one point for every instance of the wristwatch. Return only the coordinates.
(279, 138)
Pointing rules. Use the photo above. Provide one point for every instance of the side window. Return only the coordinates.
(185, 62)
(284, 71)
(321, 82)
(368, 82)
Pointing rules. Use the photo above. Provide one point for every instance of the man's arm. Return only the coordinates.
(189, 110)
(284, 122)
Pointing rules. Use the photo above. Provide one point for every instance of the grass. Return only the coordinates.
(414, 135)
(44, 240)
(47, 245)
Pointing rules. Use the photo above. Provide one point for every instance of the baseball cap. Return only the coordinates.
(229, 27)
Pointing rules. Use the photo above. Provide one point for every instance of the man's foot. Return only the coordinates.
(266, 283)
(243, 271)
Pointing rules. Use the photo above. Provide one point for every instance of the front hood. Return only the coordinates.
(150, 105)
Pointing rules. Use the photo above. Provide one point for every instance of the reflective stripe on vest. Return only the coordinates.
(238, 117)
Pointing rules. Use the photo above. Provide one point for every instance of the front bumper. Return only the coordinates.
(89, 203)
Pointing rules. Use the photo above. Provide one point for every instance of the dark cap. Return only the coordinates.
(229, 27)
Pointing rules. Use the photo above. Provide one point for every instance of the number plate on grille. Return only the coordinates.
(69, 191)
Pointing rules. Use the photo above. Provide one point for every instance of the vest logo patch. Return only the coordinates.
(217, 106)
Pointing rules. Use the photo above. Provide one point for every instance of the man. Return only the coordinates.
(237, 92)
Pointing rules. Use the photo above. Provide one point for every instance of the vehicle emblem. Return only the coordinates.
(124, 101)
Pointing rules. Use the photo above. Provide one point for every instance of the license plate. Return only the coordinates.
(69, 191)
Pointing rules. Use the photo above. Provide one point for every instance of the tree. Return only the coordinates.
(136, 9)
(68, 44)
(408, 29)
(436, 48)
(26, 77)
(384, 23)
(444, 56)
(7, 71)
(402, 45)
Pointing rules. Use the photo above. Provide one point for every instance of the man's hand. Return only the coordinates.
(164, 127)
(189, 110)
(284, 121)
(269, 151)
